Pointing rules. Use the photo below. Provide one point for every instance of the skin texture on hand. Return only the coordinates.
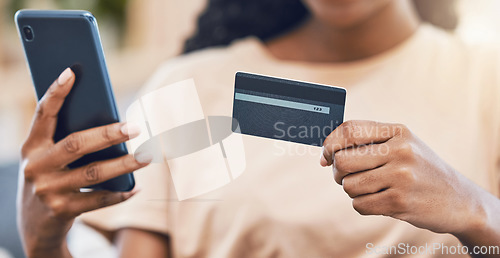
(49, 196)
(387, 170)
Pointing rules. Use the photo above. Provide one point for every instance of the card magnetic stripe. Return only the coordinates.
(282, 103)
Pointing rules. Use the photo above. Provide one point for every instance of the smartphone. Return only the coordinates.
(54, 40)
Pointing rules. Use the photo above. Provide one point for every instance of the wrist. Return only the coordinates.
(55, 250)
(49, 236)
(481, 225)
(47, 247)
(477, 224)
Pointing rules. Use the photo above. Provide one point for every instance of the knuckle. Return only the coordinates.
(405, 150)
(42, 188)
(43, 108)
(338, 157)
(25, 149)
(349, 131)
(54, 92)
(342, 162)
(366, 179)
(59, 208)
(73, 143)
(348, 186)
(360, 206)
(40, 108)
(402, 130)
(353, 132)
(347, 126)
(329, 145)
(107, 133)
(405, 175)
(51, 91)
(29, 171)
(92, 173)
(337, 175)
(104, 200)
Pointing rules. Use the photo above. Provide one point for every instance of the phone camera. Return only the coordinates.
(28, 33)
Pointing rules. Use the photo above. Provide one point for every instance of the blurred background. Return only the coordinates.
(137, 36)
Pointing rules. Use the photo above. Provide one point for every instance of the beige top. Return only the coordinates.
(285, 204)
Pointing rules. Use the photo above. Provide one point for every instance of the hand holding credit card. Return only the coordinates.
(288, 110)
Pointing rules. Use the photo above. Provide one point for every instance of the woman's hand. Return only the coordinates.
(388, 171)
(49, 197)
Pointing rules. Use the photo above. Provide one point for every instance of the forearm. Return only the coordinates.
(60, 251)
(484, 229)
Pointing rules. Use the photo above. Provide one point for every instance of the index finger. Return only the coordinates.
(78, 144)
(45, 118)
(356, 133)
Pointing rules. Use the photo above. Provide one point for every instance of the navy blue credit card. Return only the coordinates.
(286, 110)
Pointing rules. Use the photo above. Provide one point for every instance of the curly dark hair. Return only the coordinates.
(226, 20)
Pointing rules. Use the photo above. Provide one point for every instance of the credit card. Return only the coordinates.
(287, 110)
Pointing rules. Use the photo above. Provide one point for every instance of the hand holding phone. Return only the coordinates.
(54, 40)
(49, 191)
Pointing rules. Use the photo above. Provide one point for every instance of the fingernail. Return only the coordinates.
(64, 77)
(131, 130)
(144, 157)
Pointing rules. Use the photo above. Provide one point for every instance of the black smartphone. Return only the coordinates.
(54, 40)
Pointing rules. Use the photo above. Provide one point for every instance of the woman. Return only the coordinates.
(440, 177)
